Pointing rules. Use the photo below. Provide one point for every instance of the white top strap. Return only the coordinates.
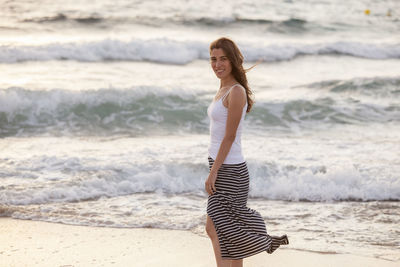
(222, 98)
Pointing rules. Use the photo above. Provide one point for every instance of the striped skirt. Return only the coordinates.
(241, 231)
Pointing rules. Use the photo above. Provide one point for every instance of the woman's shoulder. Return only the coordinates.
(238, 90)
(238, 93)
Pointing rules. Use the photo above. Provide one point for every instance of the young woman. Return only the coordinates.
(236, 231)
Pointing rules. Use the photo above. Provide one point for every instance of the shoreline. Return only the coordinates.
(39, 243)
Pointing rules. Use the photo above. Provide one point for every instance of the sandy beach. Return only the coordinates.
(36, 243)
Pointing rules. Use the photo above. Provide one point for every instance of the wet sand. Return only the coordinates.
(35, 243)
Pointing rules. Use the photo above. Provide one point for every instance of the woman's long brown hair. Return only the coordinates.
(236, 58)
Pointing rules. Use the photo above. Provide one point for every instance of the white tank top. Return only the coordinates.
(218, 115)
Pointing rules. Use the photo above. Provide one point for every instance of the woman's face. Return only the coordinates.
(220, 63)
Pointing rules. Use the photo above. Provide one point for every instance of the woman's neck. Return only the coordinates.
(228, 81)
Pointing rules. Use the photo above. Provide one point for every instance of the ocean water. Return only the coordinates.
(103, 115)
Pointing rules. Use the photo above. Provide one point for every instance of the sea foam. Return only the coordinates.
(72, 179)
(170, 51)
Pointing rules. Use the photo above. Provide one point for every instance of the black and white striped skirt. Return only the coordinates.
(241, 231)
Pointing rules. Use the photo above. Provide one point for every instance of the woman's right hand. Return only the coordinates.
(210, 183)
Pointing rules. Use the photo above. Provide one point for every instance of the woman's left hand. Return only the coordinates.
(210, 183)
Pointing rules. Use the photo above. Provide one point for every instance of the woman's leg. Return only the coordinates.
(237, 263)
(210, 229)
